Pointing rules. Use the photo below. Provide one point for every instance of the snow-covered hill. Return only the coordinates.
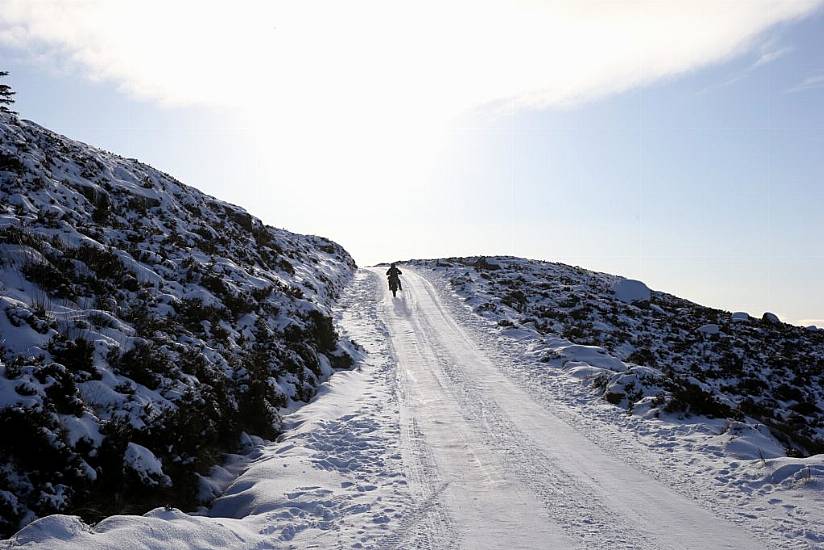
(652, 353)
(144, 328)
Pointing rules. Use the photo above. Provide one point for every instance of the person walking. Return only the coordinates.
(393, 274)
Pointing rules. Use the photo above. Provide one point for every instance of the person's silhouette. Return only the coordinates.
(393, 273)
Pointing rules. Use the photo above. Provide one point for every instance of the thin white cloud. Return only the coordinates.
(370, 86)
(770, 56)
(768, 52)
(812, 82)
(446, 56)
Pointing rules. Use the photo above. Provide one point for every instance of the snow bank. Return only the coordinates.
(630, 290)
(573, 355)
(748, 442)
(787, 471)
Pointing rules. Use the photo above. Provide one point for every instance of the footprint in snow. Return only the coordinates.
(381, 518)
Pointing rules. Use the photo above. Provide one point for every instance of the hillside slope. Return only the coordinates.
(144, 328)
(653, 353)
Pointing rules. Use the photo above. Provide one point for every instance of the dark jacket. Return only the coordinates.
(393, 272)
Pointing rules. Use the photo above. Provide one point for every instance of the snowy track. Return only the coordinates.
(427, 444)
(492, 468)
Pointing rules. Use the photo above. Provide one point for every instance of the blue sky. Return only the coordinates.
(703, 179)
(703, 187)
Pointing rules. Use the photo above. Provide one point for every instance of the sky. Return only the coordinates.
(674, 142)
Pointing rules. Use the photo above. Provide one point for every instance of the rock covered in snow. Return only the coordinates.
(630, 291)
(145, 465)
(740, 317)
(709, 329)
(771, 318)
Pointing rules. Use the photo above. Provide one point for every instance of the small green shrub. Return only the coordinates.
(143, 363)
(75, 354)
(10, 163)
(49, 278)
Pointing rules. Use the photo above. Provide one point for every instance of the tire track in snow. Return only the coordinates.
(577, 509)
(510, 442)
(461, 463)
(427, 525)
(622, 436)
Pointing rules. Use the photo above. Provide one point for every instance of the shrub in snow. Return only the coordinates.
(11, 511)
(484, 263)
(143, 463)
(631, 386)
(629, 291)
(138, 313)
(690, 397)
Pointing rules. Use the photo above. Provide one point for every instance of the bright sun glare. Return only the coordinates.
(338, 81)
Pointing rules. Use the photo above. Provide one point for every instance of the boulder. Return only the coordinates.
(771, 318)
(630, 291)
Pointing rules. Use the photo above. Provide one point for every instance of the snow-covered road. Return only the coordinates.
(492, 468)
(429, 443)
